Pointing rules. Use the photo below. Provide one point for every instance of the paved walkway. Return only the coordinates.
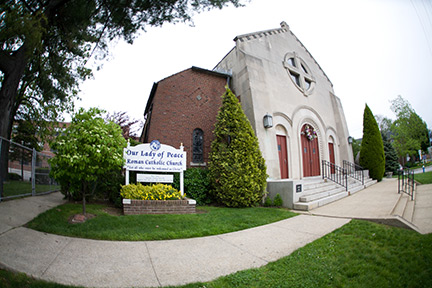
(93, 263)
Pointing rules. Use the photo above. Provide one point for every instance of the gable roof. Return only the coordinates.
(284, 29)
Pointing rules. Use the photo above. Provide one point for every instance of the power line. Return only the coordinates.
(424, 27)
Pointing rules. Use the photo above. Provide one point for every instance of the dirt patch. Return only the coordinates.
(80, 218)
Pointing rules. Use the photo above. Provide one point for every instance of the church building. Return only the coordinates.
(285, 94)
(277, 79)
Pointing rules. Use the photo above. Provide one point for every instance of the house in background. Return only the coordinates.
(288, 99)
(182, 109)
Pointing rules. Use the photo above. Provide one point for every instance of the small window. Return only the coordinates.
(308, 84)
(304, 69)
(198, 146)
(295, 78)
(291, 62)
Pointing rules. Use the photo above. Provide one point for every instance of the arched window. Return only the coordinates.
(198, 146)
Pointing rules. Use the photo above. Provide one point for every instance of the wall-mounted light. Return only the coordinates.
(268, 121)
(350, 140)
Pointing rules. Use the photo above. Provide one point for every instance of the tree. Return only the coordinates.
(45, 45)
(88, 150)
(129, 127)
(391, 157)
(409, 131)
(237, 169)
(372, 148)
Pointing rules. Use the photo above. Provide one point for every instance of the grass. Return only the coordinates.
(13, 280)
(359, 254)
(211, 221)
(12, 188)
(424, 178)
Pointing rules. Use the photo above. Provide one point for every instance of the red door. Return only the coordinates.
(310, 151)
(332, 156)
(283, 155)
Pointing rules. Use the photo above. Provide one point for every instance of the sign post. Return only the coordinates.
(155, 157)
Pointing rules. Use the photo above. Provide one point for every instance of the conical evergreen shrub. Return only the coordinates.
(391, 157)
(372, 148)
(237, 169)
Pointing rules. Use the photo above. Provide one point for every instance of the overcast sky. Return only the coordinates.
(372, 51)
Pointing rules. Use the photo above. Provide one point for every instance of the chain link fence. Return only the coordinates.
(24, 171)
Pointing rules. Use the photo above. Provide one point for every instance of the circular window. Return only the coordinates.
(299, 73)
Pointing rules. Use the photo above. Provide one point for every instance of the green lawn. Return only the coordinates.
(12, 188)
(209, 221)
(360, 254)
(424, 178)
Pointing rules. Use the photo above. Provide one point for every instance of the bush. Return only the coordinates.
(14, 177)
(237, 168)
(372, 148)
(278, 201)
(109, 188)
(268, 202)
(152, 192)
(196, 185)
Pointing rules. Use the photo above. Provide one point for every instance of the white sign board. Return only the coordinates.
(155, 178)
(155, 157)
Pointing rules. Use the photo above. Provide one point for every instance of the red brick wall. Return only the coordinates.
(138, 207)
(183, 102)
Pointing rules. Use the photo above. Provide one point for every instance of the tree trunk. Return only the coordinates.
(13, 67)
(84, 188)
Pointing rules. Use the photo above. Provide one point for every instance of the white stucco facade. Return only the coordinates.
(272, 72)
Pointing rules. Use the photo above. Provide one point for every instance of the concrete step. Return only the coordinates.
(369, 182)
(319, 188)
(399, 208)
(355, 188)
(319, 192)
(323, 194)
(306, 206)
(408, 214)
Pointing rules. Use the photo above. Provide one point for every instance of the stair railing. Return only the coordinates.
(354, 171)
(335, 173)
(406, 182)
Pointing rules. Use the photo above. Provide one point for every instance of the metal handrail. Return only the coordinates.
(335, 173)
(354, 171)
(406, 182)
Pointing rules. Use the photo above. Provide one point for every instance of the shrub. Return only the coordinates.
(278, 202)
(372, 148)
(151, 192)
(196, 185)
(237, 168)
(14, 177)
(268, 202)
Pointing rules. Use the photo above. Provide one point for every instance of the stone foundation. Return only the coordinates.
(136, 207)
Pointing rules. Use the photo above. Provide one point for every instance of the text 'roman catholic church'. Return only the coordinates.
(285, 94)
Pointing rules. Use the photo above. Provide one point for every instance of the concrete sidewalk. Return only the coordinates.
(379, 202)
(92, 263)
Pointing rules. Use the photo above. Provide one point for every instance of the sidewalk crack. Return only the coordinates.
(151, 263)
(58, 254)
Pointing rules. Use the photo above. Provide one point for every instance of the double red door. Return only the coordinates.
(310, 151)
